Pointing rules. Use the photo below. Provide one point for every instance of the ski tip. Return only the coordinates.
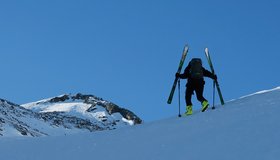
(206, 50)
(186, 47)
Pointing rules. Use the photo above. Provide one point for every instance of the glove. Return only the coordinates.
(177, 75)
(215, 77)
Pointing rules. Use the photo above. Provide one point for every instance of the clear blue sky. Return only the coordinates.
(127, 51)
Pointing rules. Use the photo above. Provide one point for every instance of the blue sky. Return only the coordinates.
(128, 51)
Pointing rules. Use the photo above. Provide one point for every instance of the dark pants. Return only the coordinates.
(198, 87)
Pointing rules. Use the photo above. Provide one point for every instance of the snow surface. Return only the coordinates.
(244, 129)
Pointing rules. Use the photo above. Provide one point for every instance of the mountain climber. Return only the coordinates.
(195, 72)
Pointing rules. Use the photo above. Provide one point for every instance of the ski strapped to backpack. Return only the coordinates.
(212, 69)
(185, 51)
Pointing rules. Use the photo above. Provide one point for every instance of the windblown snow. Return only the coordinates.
(243, 129)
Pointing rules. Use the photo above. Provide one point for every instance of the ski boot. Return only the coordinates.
(205, 105)
(189, 110)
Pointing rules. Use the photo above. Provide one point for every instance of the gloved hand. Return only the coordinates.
(177, 75)
(215, 77)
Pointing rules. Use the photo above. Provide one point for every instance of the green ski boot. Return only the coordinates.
(189, 110)
(205, 105)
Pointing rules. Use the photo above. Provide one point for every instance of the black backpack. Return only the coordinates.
(196, 69)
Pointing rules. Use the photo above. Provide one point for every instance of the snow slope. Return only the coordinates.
(244, 129)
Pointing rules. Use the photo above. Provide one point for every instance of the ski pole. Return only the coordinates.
(179, 115)
(214, 85)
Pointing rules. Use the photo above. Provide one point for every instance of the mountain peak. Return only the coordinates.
(85, 102)
(64, 114)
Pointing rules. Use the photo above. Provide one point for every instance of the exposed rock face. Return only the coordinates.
(109, 106)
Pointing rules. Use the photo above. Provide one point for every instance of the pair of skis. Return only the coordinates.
(185, 52)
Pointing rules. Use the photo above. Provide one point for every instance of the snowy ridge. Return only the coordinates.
(65, 114)
(16, 120)
(261, 92)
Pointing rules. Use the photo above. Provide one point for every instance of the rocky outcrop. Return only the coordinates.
(109, 106)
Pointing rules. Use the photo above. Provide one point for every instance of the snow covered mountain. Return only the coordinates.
(244, 129)
(65, 114)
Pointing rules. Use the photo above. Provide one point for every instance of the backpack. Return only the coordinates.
(196, 69)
